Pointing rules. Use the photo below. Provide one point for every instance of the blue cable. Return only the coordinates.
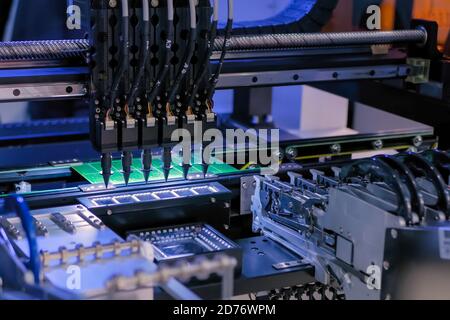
(18, 205)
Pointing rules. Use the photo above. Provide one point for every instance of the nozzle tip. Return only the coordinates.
(166, 174)
(106, 178)
(205, 168)
(146, 175)
(126, 178)
(186, 168)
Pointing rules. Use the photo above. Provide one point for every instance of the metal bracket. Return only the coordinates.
(289, 264)
(420, 70)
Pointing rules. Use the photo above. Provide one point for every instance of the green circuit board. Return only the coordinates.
(92, 171)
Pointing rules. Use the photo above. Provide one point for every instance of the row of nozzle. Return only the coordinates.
(147, 160)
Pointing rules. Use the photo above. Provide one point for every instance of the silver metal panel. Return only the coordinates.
(347, 215)
(90, 276)
(248, 79)
(248, 185)
(86, 234)
(94, 276)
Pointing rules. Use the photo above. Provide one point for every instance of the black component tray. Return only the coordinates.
(163, 206)
(188, 243)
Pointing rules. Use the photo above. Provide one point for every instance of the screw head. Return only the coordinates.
(394, 234)
(417, 141)
(255, 120)
(377, 145)
(335, 148)
(278, 154)
(291, 152)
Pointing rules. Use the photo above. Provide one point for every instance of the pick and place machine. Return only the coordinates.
(105, 205)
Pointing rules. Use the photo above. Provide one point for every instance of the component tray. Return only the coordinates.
(188, 243)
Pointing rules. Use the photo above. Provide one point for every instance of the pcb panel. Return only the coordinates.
(92, 171)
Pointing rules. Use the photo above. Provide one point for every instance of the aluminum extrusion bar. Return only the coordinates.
(251, 79)
(42, 91)
(73, 90)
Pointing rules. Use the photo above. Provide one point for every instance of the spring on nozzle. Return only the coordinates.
(43, 50)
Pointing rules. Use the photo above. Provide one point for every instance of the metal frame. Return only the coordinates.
(304, 76)
(42, 91)
(400, 101)
(259, 272)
